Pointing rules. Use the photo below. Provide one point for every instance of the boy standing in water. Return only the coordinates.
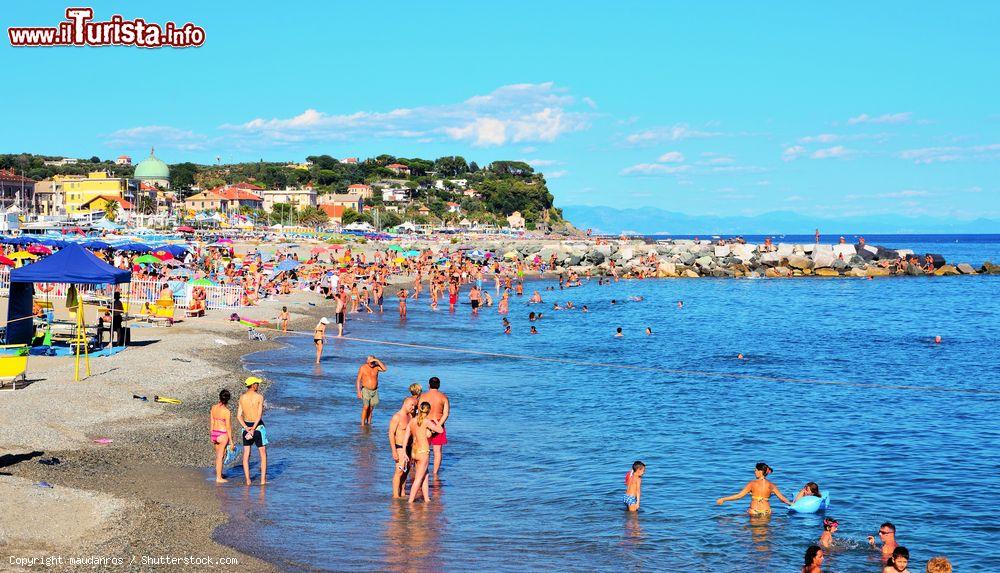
(633, 486)
(249, 415)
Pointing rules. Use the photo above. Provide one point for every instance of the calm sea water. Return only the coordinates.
(843, 386)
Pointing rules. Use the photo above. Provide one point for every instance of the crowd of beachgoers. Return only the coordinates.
(358, 277)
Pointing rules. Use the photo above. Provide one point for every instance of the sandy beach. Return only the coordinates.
(146, 493)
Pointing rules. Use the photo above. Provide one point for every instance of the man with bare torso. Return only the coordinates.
(366, 385)
(249, 415)
(440, 409)
(399, 446)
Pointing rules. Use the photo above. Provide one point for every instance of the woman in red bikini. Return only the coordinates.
(220, 426)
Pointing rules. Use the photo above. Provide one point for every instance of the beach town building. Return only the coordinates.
(347, 200)
(101, 202)
(398, 168)
(61, 162)
(153, 171)
(350, 160)
(453, 207)
(227, 199)
(335, 213)
(301, 166)
(361, 190)
(300, 197)
(123, 160)
(443, 184)
(471, 193)
(399, 195)
(78, 190)
(423, 210)
(49, 199)
(16, 189)
(515, 220)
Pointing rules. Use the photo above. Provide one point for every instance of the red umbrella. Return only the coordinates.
(39, 250)
(316, 250)
(336, 247)
(163, 255)
(185, 229)
(5, 261)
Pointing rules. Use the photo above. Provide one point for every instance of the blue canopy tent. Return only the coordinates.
(175, 250)
(73, 265)
(135, 247)
(96, 244)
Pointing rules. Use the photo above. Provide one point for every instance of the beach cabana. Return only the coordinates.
(71, 265)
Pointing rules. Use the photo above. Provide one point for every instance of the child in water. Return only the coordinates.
(633, 486)
(897, 563)
(829, 528)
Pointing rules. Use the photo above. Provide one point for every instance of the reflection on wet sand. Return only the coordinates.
(412, 533)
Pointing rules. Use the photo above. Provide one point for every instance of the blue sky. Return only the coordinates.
(705, 108)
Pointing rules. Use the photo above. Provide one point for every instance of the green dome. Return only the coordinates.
(152, 168)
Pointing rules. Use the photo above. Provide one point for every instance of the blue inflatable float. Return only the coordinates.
(810, 504)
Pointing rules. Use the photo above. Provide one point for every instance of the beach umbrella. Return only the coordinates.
(396, 248)
(202, 282)
(172, 263)
(134, 247)
(148, 260)
(181, 272)
(413, 253)
(225, 240)
(5, 261)
(510, 255)
(39, 250)
(185, 229)
(163, 255)
(17, 241)
(175, 250)
(22, 255)
(93, 245)
(399, 260)
(336, 247)
(316, 250)
(287, 265)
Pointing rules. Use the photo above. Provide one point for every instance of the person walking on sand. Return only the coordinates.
(760, 491)
(366, 385)
(283, 319)
(440, 410)
(250, 415)
(220, 428)
(419, 429)
(319, 336)
(400, 448)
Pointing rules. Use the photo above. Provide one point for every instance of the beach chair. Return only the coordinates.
(160, 310)
(13, 368)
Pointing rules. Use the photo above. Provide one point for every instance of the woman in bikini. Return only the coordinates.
(760, 491)
(220, 429)
(419, 429)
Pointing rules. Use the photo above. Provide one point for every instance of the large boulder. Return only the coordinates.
(914, 270)
(691, 274)
(595, 256)
(722, 251)
(687, 258)
(874, 271)
(938, 259)
(705, 262)
(990, 268)
(845, 250)
(883, 253)
(626, 253)
(823, 259)
(946, 270)
(857, 260)
(785, 249)
(770, 259)
(667, 268)
(839, 265)
(966, 269)
(800, 262)
(777, 272)
(856, 272)
(827, 273)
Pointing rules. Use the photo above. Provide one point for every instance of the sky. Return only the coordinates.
(705, 108)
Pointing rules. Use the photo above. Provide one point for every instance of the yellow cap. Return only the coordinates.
(252, 380)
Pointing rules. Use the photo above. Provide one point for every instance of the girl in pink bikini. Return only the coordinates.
(220, 425)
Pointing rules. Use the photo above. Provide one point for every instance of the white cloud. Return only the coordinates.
(928, 155)
(541, 162)
(793, 152)
(821, 138)
(654, 169)
(590, 102)
(794, 198)
(903, 117)
(716, 158)
(671, 157)
(518, 113)
(556, 174)
(158, 135)
(835, 152)
(667, 133)
(904, 193)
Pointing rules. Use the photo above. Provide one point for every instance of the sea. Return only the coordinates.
(841, 384)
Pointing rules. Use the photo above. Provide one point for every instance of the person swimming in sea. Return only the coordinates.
(649, 331)
(618, 332)
(811, 488)
(830, 526)
(813, 560)
(533, 330)
(760, 490)
(898, 561)
(633, 486)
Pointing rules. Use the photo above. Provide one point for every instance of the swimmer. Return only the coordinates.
(633, 486)
(618, 332)
(898, 561)
(533, 330)
(813, 560)
(419, 430)
(937, 339)
(649, 331)
(680, 304)
(887, 533)
(613, 301)
(397, 429)
(740, 356)
(585, 309)
(535, 298)
(811, 488)
(939, 565)
(555, 306)
(760, 490)
(506, 328)
(531, 316)
(830, 526)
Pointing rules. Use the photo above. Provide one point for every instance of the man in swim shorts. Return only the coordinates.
(250, 415)
(397, 433)
(440, 409)
(366, 385)
(474, 299)
(341, 300)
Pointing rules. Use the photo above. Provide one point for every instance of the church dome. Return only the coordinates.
(152, 168)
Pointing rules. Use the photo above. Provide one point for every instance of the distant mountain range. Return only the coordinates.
(653, 221)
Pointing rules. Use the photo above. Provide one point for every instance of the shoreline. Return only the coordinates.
(147, 493)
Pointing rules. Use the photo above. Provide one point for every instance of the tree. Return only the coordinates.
(111, 210)
(182, 175)
(313, 217)
(473, 167)
(451, 166)
(282, 213)
(350, 216)
(145, 206)
(95, 159)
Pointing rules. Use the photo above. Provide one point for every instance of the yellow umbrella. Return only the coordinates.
(398, 260)
(510, 255)
(21, 256)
